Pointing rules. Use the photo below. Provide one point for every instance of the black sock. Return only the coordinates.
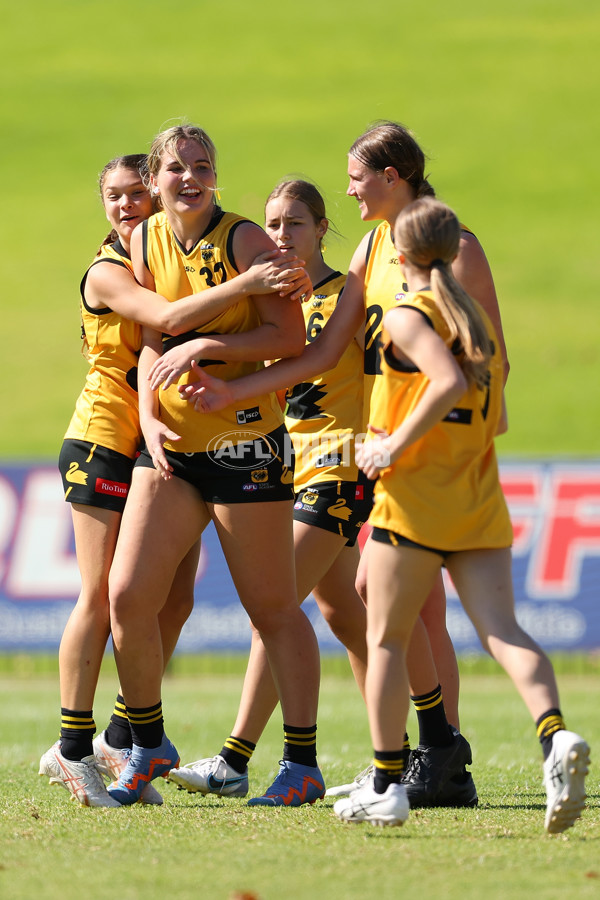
(300, 745)
(77, 729)
(389, 766)
(147, 728)
(547, 725)
(434, 730)
(118, 730)
(237, 752)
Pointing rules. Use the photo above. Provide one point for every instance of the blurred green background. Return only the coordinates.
(503, 98)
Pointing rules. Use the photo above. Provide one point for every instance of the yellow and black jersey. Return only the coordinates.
(443, 491)
(323, 415)
(106, 412)
(384, 287)
(178, 274)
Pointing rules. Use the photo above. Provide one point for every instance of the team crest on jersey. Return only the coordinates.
(259, 476)
(310, 498)
(208, 253)
(318, 301)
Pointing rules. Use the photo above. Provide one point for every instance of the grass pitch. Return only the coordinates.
(212, 848)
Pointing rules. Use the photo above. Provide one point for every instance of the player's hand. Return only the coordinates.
(173, 364)
(156, 434)
(278, 272)
(207, 394)
(373, 456)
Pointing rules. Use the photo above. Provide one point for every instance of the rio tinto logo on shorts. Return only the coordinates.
(243, 450)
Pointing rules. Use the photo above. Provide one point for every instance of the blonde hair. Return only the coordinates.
(427, 232)
(167, 141)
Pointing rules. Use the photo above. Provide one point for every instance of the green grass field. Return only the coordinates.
(502, 99)
(212, 848)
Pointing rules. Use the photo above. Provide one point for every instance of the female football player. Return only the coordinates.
(438, 501)
(236, 464)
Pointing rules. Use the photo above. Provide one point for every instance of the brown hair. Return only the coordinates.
(427, 232)
(388, 143)
(135, 162)
(307, 193)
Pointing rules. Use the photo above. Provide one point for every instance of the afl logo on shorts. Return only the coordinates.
(242, 450)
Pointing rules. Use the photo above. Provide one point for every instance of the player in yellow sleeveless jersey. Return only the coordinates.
(96, 461)
(440, 401)
(236, 463)
(322, 417)
(386, 168)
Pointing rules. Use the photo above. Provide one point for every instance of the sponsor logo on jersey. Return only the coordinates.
(114, 488)
(328, 461)
(359, 493)
(243, 416)
(190, 269)
(400, 296)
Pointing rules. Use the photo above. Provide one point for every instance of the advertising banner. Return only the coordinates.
(554, 506)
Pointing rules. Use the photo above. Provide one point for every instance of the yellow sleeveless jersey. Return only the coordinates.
(178, 274)
(443, 491)
(323, 415)
(106, 412)
(384, 287)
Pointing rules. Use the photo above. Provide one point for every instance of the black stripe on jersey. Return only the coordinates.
(103, 310)
(120, 249)
(216, 218)
(388, 353)
(229, 246)
(370, 246)
(145, 243)
(395, 363)
(169, 342)
(326, 280)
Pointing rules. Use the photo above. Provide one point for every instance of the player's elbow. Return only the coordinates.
(171, 323)
(290, 344)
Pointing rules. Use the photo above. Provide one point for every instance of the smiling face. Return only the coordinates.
(291, 225)
(126, 200)
(370, 188)
(186, 182)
